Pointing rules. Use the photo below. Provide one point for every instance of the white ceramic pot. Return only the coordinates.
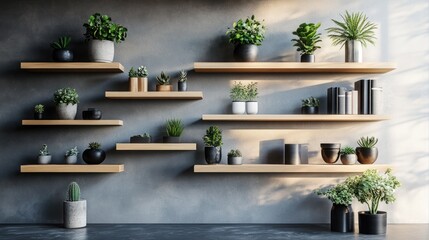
(74, 214)
(238, 107)
(71, 159)
(66, 111)
(252, 107)
(44, 159)
(101, 50)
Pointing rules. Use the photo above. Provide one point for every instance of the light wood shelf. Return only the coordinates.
(113, 67)
(72, 168)
(293, 118)
(156, 146)
(72, 122)
(174, 95)
(282, 168)
(293, 67)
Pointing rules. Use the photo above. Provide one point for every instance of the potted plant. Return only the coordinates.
(251, 98)
(330, 152)
(182, 83)
(38, 111)
(342, 216)
(174, 129)
(348, 155)
(61, 51)
(133, 79)
(307, 40)
(310, 106)
(142, 78)
(353, 32)
(372, 188)
(74, 208)
(246, 35)
(163, 83)
(44, 155)
(71, 155)
(238, 97)
(94, 154)
(367, 153)
(142, 138)
(66, 100)
(213, 145)
(92, 114)
(101, 33)
(235, 157)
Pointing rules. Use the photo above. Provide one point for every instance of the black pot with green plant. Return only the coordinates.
(62, 52)
(174, 129)
(367, 153)
(94, 154)
(142, 138)
(307, 40)
(38, 111)
(310, 106)
(213, 145)
(182, 83)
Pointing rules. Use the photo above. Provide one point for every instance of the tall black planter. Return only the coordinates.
(38, 116)
(182, 86)
(372, 223)
(93, 156)
(342, 218)
(245, 53)
(292, 155)
(213, 155)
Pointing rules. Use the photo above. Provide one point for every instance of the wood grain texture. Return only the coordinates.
(113, 67)
(293, 118)
(156, 146)
(174, 95)
(72, 168)
(72, 122)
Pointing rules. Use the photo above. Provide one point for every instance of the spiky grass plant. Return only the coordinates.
(174, 127)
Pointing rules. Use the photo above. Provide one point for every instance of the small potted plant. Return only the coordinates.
(235, 157)
(330, 152)
(348, 155)
(142, 78)
(367, 153)
(74, 208)
(62, 52)
(101, 33)
(307, 40)
(238, 97)
(213, 145)
(251, 98)
(372, 188)
(310, 106)
(133, 79)
(246, 35)
(38, 111)
(353, 32)
(174, 129)
(71, 155)
(182, 83)
(94, 154)
(163, 83)
(66, 100)
(142, 138)
(92, 114)
(44, 155)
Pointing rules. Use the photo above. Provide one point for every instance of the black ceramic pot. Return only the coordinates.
(372, 223)
(62, 55)
(182, 86)
(366, 155)
(169, 139)
(139, 139)
(93, 156)
(245, 53)
(91, 114)
(342, 218)
(213, 155)
(292, 154)
(38, 116)
(309, 110)
(307, 58)
(330, 152)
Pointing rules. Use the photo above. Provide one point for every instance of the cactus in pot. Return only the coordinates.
(74, 208)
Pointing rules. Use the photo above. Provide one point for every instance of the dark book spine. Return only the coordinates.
(335, 99)
(357, 88)
(329, 101)
(370, 86)
(363, 96)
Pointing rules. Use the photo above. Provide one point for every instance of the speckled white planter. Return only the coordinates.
(66, 111)
(74, 214)
(101, 50)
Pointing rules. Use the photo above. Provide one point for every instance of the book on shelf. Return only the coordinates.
(341, 100)
(377, 100)
(349, 102)
(370, 96)
(355, 102)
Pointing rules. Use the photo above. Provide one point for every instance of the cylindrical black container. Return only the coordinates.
(292, 154)
(372, 223)
(213, 155)
(245, 53)
(307, 58)
(182, 86)
(342, 218)
(38, 116)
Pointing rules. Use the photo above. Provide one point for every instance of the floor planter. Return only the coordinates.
(372, 223)
(309, 110)
(94, 156)
(182, 86)
(71, 159)
(134, 84)
(62, 55)
(164, 88)
(213, 155)
(238, 107)
(342, 218)
(140, 139)
(38, 116)
(44, 159)
(66, 111)
(292, 154)
(308, 58)
(330, 152)
(74, 214)
(142, 84)
(252, 107)
(245, 52)
(353, 51)
(101, 50)
(348, 159)
(92, 114)
(366, 155)
(169, 139)
(235, 160)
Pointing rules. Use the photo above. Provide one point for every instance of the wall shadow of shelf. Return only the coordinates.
(156, 146)
(293, 67)
(72, 122)
(293, 118)
(72, 168)
(113, 67)
(174, 95)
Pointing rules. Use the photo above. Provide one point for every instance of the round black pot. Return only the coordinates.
(309, 110)
(168, 139)
(330, 152)
(62, 55)
(213, 155)
(93, 156)
(372, 223)
(139, 139)
(342, 218)
(366, 155)
(245, 53)
(38, 116)
(182, 86)
(91, 114)
(308, 58)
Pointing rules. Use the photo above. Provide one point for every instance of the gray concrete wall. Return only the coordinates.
(160, 187)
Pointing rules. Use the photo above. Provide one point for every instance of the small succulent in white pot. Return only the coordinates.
(235, 157)
(71, 155)
(348, 155)
(44, 155)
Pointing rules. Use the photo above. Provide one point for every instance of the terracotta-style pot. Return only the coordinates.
(164, 88)
(366, 155)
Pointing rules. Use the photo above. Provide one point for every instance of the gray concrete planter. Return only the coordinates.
(71, 159)
(101, 50)
(66, 111)
(348, 159)
(44, 159)
(235, 160)
(74, 214)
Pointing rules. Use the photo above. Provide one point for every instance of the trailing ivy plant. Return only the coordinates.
(101, 27)
(249, 31)
(66, 96)
(341, 194)
(213, 137)
(307, 38)
(238, 92)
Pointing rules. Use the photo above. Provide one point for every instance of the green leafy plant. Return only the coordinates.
(73, 192)
(238, 92)
(66, 96)
(94, 145)
(142, 71)
(39, 108)
(63, 43)
(213, 137)
(101, 27)
(249, 31)
(72, 152)
(132, 73)
(367, 142)
(341, 194)
(372, 188)
(44, 151)
(347, 150)
(310, 102)
(183, 76)
(174, 127)
(234, 153)
(355, 26)
(163, 79)
(251, 92)
(307, 38)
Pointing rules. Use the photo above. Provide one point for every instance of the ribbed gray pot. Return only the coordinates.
(66, 111)
(101, 50)
(235, 160)
(353, 51)
(74, 214)
(44, 159)
(71, 159)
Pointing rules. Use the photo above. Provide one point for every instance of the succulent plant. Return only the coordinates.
(174, 127)
(63, 43)
(183, 76)
(310, 102)
(73, 193)
(132, 73)
(347, 150)
(44, 151)
(307, 38)
(142, 71)
(72, 152)
(234, 153)
(94, 145)
(213, 137)
(367, 142)
(39, 108)
(66, 96)
(163, 79)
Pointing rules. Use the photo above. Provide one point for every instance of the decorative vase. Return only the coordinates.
(134, 84)
(238, 107)
(182, 86)
(140, 139)
(372, 223)
(71, 159)
(38, 116)
(292, 154)
(308, 58)
(309, 110)
(342, 218)
(164, 88)
(366, 155)
(330, 152)
(348, 159)
(170, 139)
(245, 52)
(142, 84)
(93, 156)
(101, 50)
(44, 159)
(62, 55)
(74, 214)
(66, 111)
(252, 107)
(92, 114)
(235, 160)
(213, 155)
(353, 51)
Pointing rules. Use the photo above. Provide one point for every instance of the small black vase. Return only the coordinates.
(372, 223)
(213, 155)
(182, 86)
(342, 218)
(93, 156)
(38, 116)
(309, 110)
(91, 114)
(307, 58)
(245, 52)
(62, 55)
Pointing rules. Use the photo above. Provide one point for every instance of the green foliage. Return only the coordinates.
(44, 151)
(249, 31)
(62, 43)
(163, 79)
(347, 150)
(39, 108)
(101, 27)
(94, 145)
(213, 137)
(340, 194)
(183, 76)
(174, 127)
(145, 135)
(238, 92)
(355, 27)
(367, 142)
(142, 71)
(307, 38)
(372, 188)
(72, 152)
(252, 91)
(234, 153)
(73, 193)
(310, 102)
(132, 73)
(66, 95)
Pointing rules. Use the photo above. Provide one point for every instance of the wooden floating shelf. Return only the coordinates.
(282, 168)
(293, 118)
(72, 122)
(113, 67)
(174, 95)
(72, 168)
(293, 67)
(156, 146)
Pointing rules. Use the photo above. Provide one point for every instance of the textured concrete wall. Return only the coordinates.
(166, 35)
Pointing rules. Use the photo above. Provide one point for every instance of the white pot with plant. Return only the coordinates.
(238, 97)
(74, 208)
(163, 83)
(142, 78)
(44, 155)
(348, 155)
(66, 100)
(251, 98)
(307, 40)
(235, 157)
(71, 155)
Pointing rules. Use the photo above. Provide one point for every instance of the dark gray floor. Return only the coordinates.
(203, 232)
